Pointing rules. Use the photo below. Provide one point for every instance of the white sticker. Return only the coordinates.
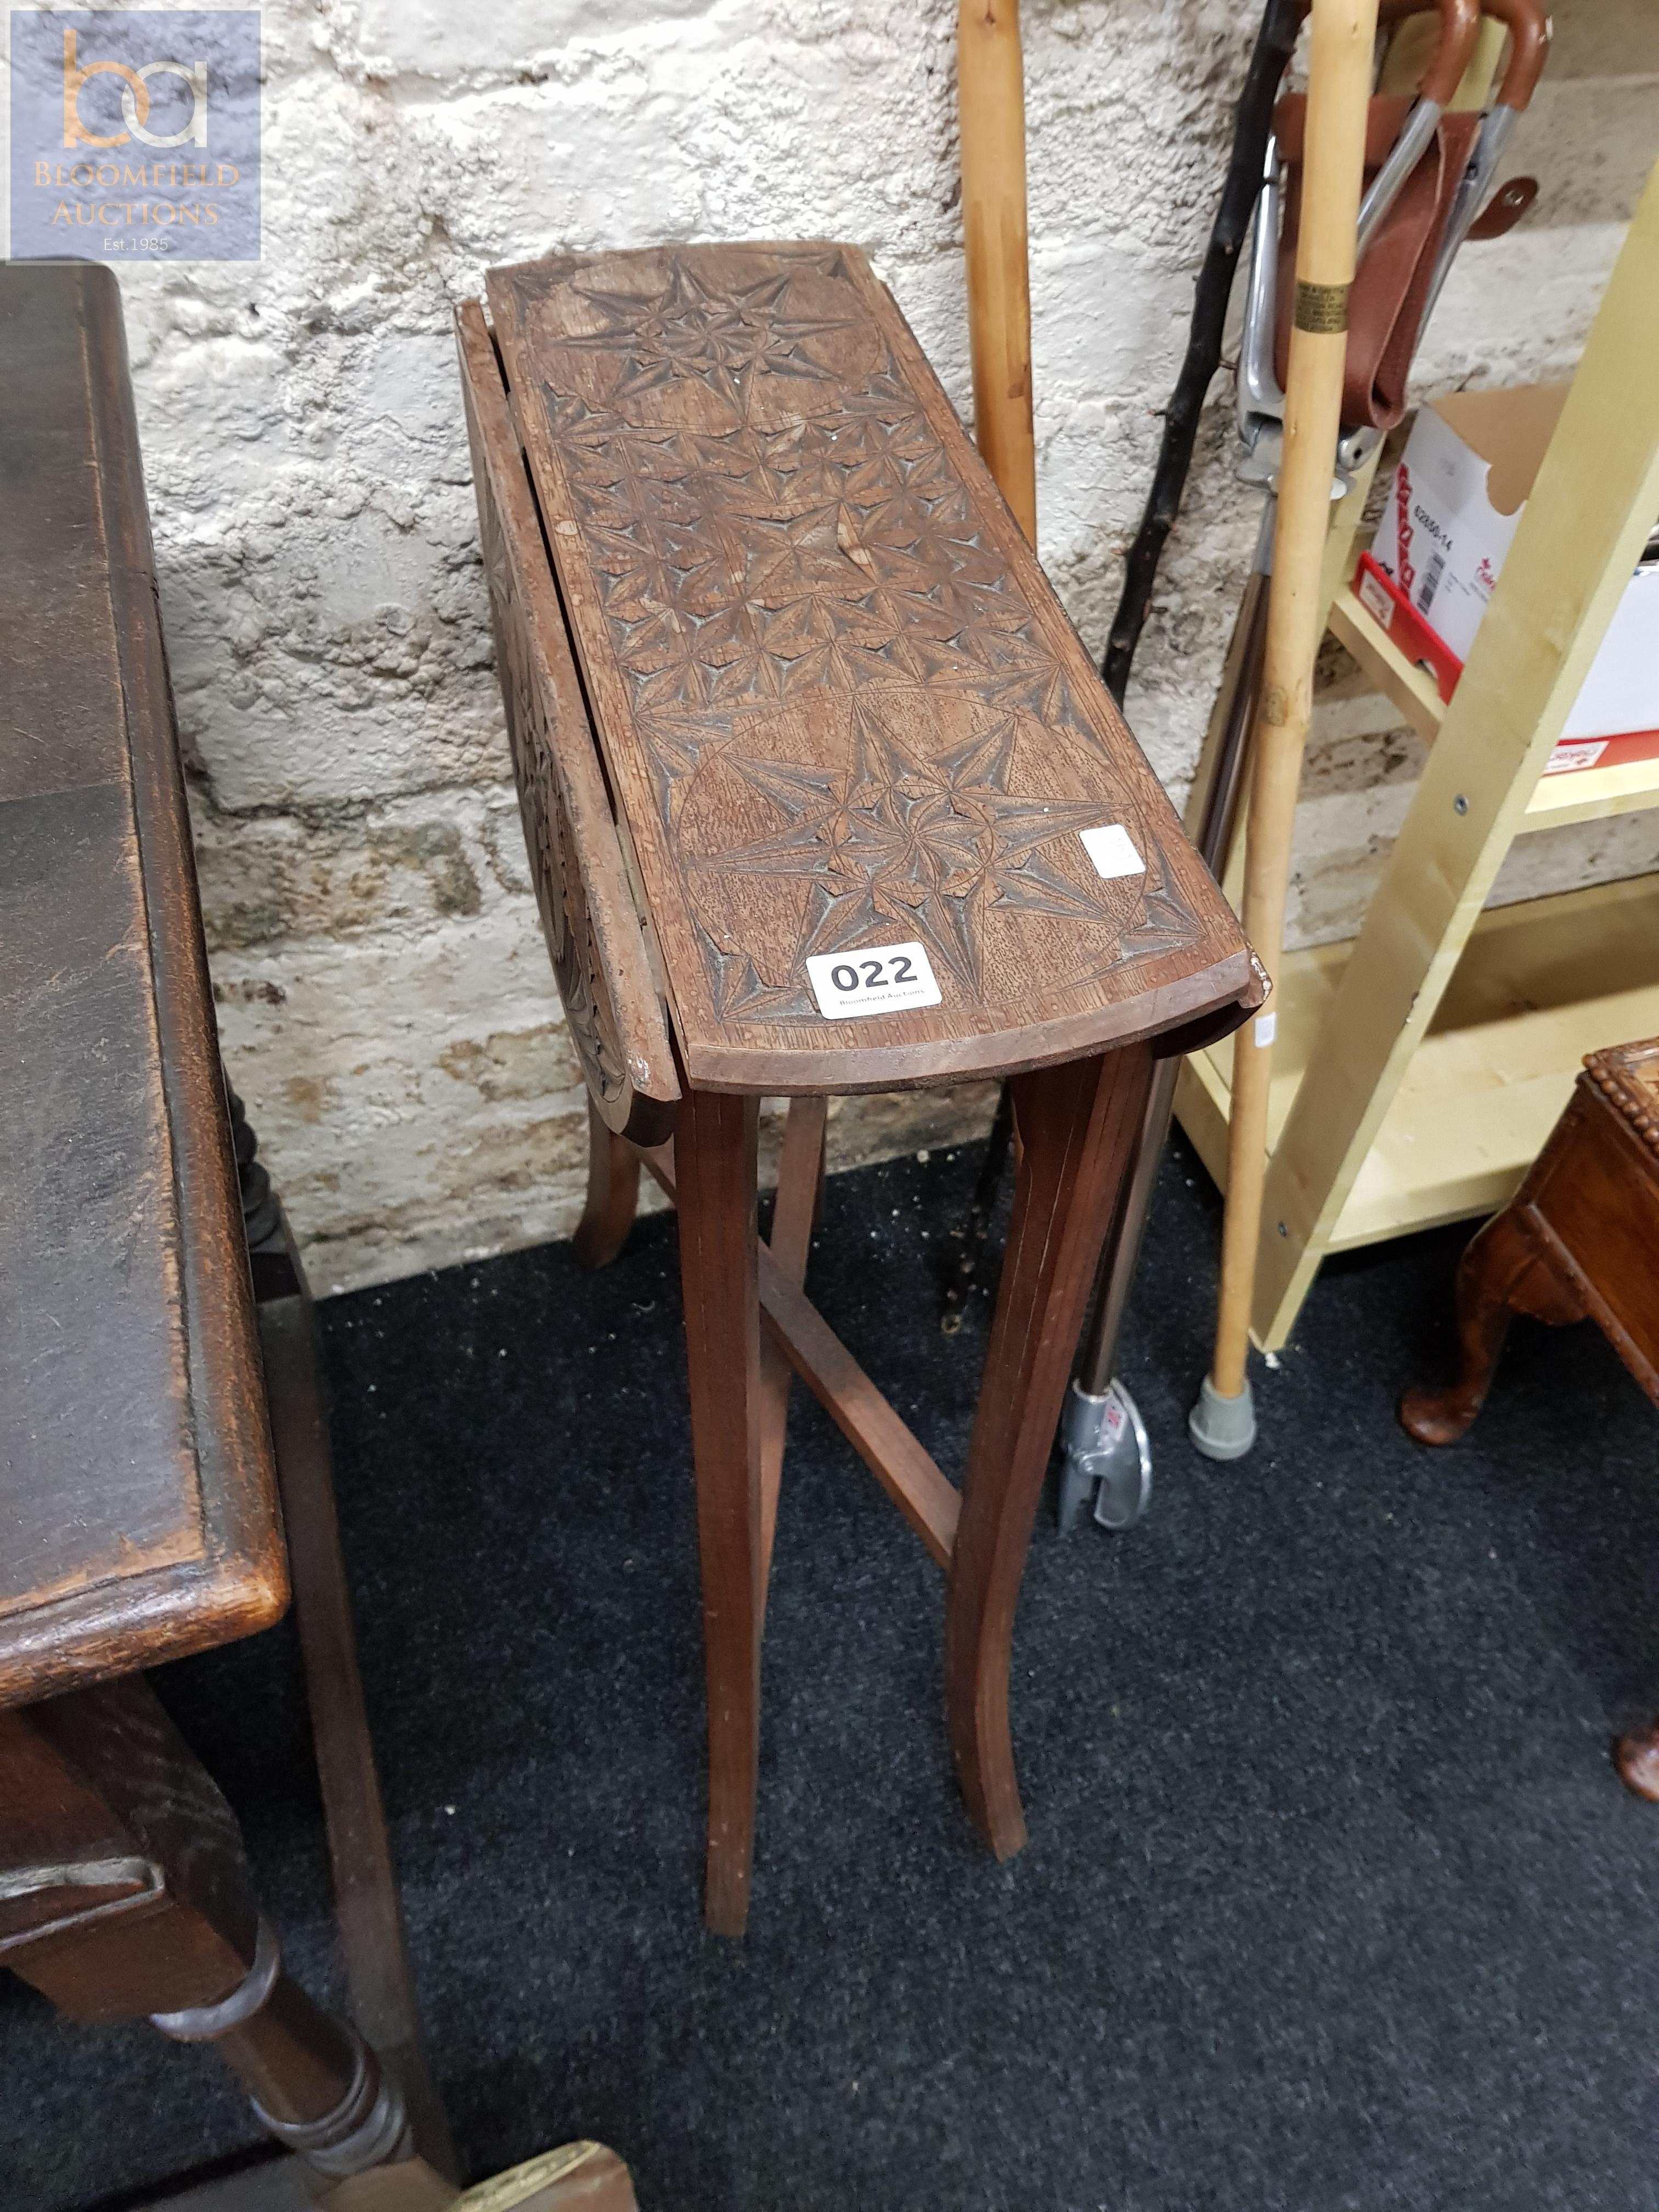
(877, 979)
(1266, 1028)
(1111, 851)
(1574, 753)
(1375, 600)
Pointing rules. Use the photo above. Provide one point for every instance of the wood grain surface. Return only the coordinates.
(839, 706)
(137, 1494)
(714, 1192)
(588, 915)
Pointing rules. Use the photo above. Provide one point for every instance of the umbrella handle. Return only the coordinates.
(1460, 27)
(1528, 27)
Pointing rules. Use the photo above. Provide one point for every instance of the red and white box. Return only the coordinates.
(1453, 506)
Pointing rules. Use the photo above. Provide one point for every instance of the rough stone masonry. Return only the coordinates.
(385, 1000)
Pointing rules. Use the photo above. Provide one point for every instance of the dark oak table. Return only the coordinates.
(142, 1498)
(822, 794)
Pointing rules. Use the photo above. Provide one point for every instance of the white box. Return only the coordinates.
(1453, 507)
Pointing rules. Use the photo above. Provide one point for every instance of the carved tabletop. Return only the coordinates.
(839, 707)
(137, 1506)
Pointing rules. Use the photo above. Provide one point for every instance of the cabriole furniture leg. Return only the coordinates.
(1077, 1127)
(1580, 1239)
(1507, 1270)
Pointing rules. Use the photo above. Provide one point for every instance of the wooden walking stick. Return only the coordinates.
(991, 93)
(990, 110)
(1223, 1423)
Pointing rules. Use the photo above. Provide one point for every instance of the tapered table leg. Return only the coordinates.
(1078, 1124)
(714, 1150)
(124, 1892)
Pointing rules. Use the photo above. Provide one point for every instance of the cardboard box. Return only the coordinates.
(1453, 507)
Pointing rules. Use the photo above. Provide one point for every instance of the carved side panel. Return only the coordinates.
(560, 894)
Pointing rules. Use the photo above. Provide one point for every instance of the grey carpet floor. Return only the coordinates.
(1332, 1902)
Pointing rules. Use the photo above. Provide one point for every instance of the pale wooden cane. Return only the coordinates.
(991, 92)
(1343, 36)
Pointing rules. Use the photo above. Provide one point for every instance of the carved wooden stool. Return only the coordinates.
(822, 795)
(1580, 1239)
(143, 1375)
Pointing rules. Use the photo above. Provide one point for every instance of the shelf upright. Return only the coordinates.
(1422, 1064)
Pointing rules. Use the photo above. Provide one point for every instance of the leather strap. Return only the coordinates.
(1391, 285)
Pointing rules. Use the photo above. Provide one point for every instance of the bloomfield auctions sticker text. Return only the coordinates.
(135, 132)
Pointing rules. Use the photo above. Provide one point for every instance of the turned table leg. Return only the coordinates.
(124, 1892)
(714, 1151)
(1078, 1126)
(1506, 1269)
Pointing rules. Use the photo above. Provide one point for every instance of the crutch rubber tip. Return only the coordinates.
(1222, 1428)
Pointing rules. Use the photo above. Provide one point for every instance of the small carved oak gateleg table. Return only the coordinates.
(822, 795)
(139, 1385)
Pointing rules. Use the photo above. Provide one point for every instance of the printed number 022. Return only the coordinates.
(846, 978)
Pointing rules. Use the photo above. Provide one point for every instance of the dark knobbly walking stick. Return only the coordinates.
(1275, 43)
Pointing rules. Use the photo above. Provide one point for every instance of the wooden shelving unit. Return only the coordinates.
(1586, 795)
(1420, 1066)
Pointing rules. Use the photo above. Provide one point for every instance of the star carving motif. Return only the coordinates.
(898, 840)
(721, 339)
(811, 621)
(732, 609)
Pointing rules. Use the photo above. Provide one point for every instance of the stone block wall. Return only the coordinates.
(385, 999)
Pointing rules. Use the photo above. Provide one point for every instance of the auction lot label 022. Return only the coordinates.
(877, 979)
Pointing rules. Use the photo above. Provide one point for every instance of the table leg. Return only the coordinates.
(124, 1892)
(613, 1194)
(1506, 1269)
(370, 1915)
(715, 1157)
(800, 1194)
(1078, 1124)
